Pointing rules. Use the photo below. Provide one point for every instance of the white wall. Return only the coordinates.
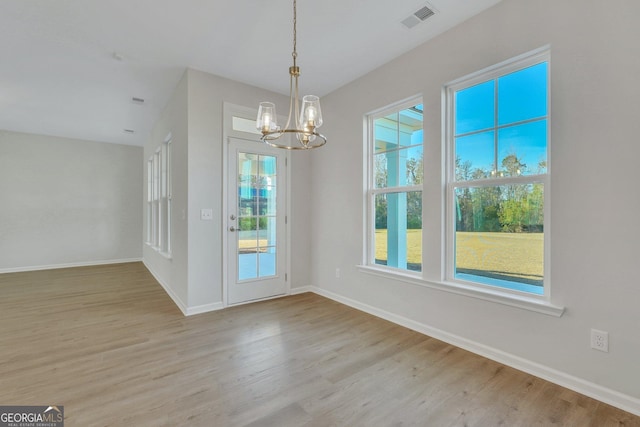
(194, 117)
(207, 94)
(595, 150)
(172, 273)
(67, 202)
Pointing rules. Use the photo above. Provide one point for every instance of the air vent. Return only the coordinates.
(424, 13)
(418, 16)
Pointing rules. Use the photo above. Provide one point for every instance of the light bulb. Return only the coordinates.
(310, 115)
(267, 119)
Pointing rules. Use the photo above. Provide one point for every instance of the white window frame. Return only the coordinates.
(436, 278)
(149, 238)
(512, 65)
(371, 192)
(169, 197)
(157, 220)
(159, 198)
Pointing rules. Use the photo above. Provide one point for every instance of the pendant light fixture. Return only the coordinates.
(303, 121)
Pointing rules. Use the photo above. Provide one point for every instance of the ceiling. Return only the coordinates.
(70, 68)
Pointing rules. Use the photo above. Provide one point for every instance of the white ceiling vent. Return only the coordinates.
(418, 16)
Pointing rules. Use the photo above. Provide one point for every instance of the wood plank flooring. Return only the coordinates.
(108, 344)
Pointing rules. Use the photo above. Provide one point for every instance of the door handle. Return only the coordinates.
(232, 228)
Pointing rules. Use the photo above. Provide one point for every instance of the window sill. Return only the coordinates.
(520, 301)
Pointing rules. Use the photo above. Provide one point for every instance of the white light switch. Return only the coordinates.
(206, 214)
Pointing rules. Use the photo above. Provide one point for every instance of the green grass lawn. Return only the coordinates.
(518, 256)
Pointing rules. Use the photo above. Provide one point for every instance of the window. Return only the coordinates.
(150, 201)
(242, 124)
(157, 220)
(165, 198)
(159, 199)
(395, 187)
(498, 176)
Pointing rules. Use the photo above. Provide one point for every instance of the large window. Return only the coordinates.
(498, 175)
(395, 187)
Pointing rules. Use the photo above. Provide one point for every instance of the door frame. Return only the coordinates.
(229, 111)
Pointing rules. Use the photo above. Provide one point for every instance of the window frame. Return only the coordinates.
(169, 196)
(371, 191)
(154, 161)
(149, 238)
(493, 73)
(159, 198)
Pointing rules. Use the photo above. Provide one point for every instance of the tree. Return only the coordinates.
(381, 212)
(513, 166)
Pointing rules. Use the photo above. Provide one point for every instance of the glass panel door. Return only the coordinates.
(257, 208)
(257, 224)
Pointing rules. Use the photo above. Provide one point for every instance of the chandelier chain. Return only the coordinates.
(305, 120)
(295, 32)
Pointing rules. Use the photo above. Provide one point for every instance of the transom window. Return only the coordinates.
(498, 175)
(395, 187)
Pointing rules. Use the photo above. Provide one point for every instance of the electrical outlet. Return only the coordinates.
(337, 273)
(600, 340)
(206, 214)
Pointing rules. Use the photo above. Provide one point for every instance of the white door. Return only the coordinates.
(256, 221)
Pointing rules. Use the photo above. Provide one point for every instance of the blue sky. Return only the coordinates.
(521, 96)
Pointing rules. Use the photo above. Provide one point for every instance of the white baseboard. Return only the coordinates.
(603, 394)
(69, 265)
(301, 290)
(184, 308)
(181, 305)
(199, 309)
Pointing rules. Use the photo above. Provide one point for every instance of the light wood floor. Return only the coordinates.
(108, 344)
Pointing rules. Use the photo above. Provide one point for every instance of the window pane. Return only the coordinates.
(412, 162)
(247, 248)
(267, 201)
(267, 260)
(499, 236)
(523, 95)
(380, 170)
(386, 132)
(163, 171)
(380, 239)
(410, 126)
(475, 108)
(247, 181)
(398, 130)
(399, 167)
(398, 141)
(267, 170)
(248, 264)
(267, 233)
(522, 149)
(475, 156)
(248, 233)
(398, 233)
(244, 125)
(149, 180)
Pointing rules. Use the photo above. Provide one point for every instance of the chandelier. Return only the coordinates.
(303, 121)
